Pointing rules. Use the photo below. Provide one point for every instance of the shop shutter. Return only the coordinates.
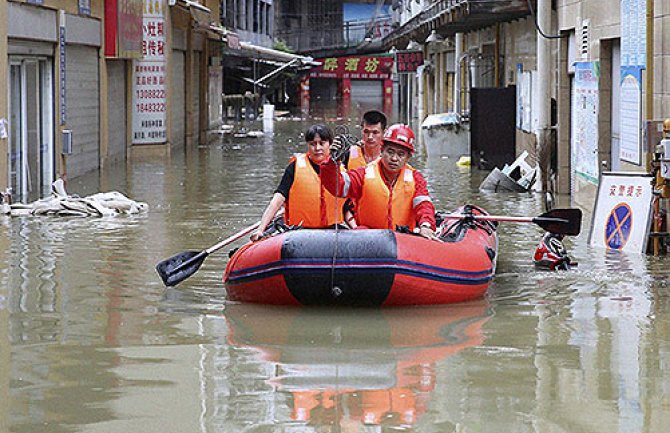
(367, 95)
(82, 86)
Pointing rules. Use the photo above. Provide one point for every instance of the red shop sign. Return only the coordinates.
(354, 67)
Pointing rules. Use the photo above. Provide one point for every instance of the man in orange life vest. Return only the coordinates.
(307, 203)
(387, 192)
(369, 148)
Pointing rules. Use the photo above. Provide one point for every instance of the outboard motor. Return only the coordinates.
(551, 253)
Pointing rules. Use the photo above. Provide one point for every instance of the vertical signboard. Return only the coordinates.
(631, 115)
(585, 121)
(633, 60)
(622, 215)
(634, 33)
(149, 73)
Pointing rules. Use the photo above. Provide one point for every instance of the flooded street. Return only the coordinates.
(91, 340)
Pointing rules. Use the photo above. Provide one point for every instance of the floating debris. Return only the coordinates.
(62, 204)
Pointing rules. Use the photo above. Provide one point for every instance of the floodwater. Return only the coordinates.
(91, 341)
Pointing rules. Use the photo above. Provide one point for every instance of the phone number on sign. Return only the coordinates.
(151, 94)
(150, 107)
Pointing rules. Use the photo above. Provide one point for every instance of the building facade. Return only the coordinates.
(94, 82)
(597, 52)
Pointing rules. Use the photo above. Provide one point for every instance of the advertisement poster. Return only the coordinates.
(631, 115)
(622, 215)
(149, 95)
(585, 121)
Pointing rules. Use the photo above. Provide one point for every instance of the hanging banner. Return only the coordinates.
(123, 28)
(631, 115)
(622, 215)
(149, 96)
(585, 121)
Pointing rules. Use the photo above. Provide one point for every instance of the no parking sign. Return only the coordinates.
(622, 216)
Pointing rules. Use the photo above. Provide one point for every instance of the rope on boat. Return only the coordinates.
(348, 140)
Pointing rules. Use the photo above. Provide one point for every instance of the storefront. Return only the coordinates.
(362, 82)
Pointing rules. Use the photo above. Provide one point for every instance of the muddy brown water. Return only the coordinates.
(91, 341)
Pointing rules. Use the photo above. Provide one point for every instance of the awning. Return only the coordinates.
(448, 17)
(256, 51)
(202, 15)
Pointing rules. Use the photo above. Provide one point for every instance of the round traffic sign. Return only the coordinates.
(619, 226)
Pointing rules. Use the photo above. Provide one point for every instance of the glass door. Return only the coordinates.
(31, 156)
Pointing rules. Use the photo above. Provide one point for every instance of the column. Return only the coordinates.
(439, 82)
(345, 97)
(458, 72)
(542, 87)
(388, 96)
(304, 95)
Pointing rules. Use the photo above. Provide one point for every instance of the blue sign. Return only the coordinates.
(618, 227)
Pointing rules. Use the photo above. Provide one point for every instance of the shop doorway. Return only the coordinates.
(31, 147)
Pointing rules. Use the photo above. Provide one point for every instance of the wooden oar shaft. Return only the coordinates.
(233, 238)
(238, 235)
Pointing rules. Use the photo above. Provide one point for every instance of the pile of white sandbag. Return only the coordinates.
(62, 204)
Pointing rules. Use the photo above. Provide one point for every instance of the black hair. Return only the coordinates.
(374, 117)
(323, 131)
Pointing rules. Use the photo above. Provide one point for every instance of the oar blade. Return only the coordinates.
(561, 221)
(179, 267)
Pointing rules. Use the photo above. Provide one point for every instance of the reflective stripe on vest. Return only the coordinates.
(378, 208)
(309, 204)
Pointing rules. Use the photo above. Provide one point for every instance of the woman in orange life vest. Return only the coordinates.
(307, 203)
(369, 149)
(388, 193)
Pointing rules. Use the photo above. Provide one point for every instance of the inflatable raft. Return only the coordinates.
(366, 267)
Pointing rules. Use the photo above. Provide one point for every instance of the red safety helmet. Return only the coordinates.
(400, 134)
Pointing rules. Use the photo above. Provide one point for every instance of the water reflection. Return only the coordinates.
(350, 370)
(91, 341)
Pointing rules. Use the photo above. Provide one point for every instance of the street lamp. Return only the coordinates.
(413, 45)
(434, 37)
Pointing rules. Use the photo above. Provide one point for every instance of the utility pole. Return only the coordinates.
(542, 87)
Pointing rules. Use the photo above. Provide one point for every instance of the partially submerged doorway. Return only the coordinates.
(31, 147)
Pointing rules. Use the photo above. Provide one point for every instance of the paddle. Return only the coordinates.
(181, 266)
(559, 221)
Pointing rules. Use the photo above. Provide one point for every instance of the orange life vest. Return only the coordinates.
(356, 158)
(379, 208)
(309, 204)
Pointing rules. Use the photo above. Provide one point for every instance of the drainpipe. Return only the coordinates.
(542, 133)
(457, 72)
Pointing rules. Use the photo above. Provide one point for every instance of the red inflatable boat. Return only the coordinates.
(365, 267)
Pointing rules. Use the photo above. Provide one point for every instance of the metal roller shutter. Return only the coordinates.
(367, 95)
(116, 103)
(82, 86)
(178, 98)
(196, 97)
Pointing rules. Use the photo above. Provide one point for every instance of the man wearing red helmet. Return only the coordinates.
(387, 192)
